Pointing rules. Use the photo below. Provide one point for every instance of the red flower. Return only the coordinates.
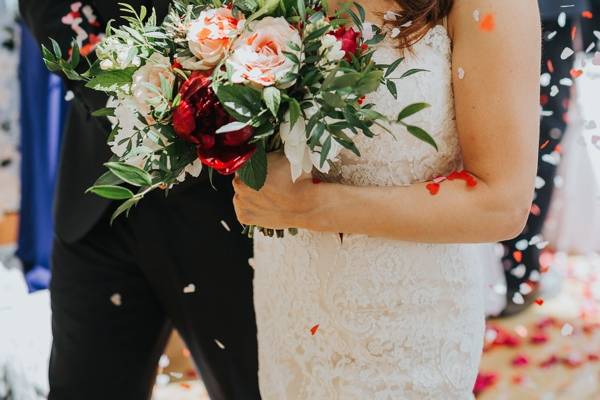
(197, 118)
(348, 38)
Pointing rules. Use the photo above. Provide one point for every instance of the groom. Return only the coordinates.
(118, 291)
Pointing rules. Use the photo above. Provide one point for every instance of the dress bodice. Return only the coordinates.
(401, 159)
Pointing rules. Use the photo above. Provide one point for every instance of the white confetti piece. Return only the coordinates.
(562, 19)
(525, 288)
(162, 380)
(551, 35)
(552, 158)
(554, 90)
(522, 244)
(406, 24)
(590, 47)
(191, 288)
(521, 330)
(163, 361)
(476, 15)
(566, 82)
(461, 73)
(566, 53)
(518, 299)
(545, 79)
(226, 226)
(221, 345)
(534, 276)
(395, 33)
(390, 16)
(116, 299)
(566, 330)
(69, 95)
(518, 271)
(176, 375)
(539, 182)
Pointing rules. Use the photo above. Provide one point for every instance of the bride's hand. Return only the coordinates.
(280, 203)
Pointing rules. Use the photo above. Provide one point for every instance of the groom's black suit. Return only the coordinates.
(116, 292)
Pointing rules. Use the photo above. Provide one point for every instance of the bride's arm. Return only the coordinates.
(497, 112)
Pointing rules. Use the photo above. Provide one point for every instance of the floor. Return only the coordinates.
(550, 352)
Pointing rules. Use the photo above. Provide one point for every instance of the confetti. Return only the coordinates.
(395, 33)
(461, 73)
(162, 380)
(554, 91)
(576, 73)
(520, 361)
(539, 301)
(562, 19)
(484, 381)
(191, 288)
(550, 361)
(538, 338)
(314, 330)
(69, 95)
(476, 15)
(566, 53)
(116, 299)
(390, 16)
(433, 188)
(218, 343)
(566, 330)
(163, 361)
(587, 14)
(518, 271)
(518, 299)
(488, 22)
(226, 226)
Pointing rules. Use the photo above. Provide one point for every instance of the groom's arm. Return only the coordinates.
(56, 19)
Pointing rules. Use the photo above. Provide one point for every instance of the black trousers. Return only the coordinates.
(552, 129)
(118, 291)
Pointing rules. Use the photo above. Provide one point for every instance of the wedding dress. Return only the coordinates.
(361, 317)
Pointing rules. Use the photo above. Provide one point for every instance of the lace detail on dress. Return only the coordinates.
(397, 320)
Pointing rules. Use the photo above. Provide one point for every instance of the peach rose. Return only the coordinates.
(258, 57)
(210, 37)
(150, 73)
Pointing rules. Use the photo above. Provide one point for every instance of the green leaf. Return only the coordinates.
(124, 208)
(301, 9)
(272, 97)
(333, 99)
(294, 111)
(75, 55)
(254, 172)
(108, 178)
(317, 33)
(130, 174)
(111, 192)
(391, 86)
(325, 150)
(361, 11)
(232, 127)
(104, 112)
(56, 48)
(108, 81)
(412, 72)
(392, 67)
(292, 57)
(242, 102)
(368, 83)
(421, 134)
(411, 109)
(343, 81)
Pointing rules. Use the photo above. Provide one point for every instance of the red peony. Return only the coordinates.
(348, 38)
(196, 120)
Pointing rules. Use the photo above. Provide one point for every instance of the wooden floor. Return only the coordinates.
(550, 352)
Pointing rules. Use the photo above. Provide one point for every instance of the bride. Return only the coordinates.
(393, 307)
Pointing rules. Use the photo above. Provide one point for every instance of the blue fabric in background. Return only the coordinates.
(43, 111)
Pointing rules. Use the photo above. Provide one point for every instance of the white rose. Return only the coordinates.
(295, 147)
(156, 66)
(258, 57)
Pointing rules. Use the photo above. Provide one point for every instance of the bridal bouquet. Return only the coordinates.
(221, 84)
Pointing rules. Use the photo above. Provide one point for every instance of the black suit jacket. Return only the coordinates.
(550, 9)
(84, 144)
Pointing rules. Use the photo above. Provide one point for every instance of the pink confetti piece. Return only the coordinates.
(191, 288)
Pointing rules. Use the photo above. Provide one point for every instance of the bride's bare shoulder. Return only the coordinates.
(469, 16)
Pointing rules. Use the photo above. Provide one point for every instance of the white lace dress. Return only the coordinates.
(396, 320)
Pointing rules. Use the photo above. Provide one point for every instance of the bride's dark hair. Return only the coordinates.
(417, 16)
